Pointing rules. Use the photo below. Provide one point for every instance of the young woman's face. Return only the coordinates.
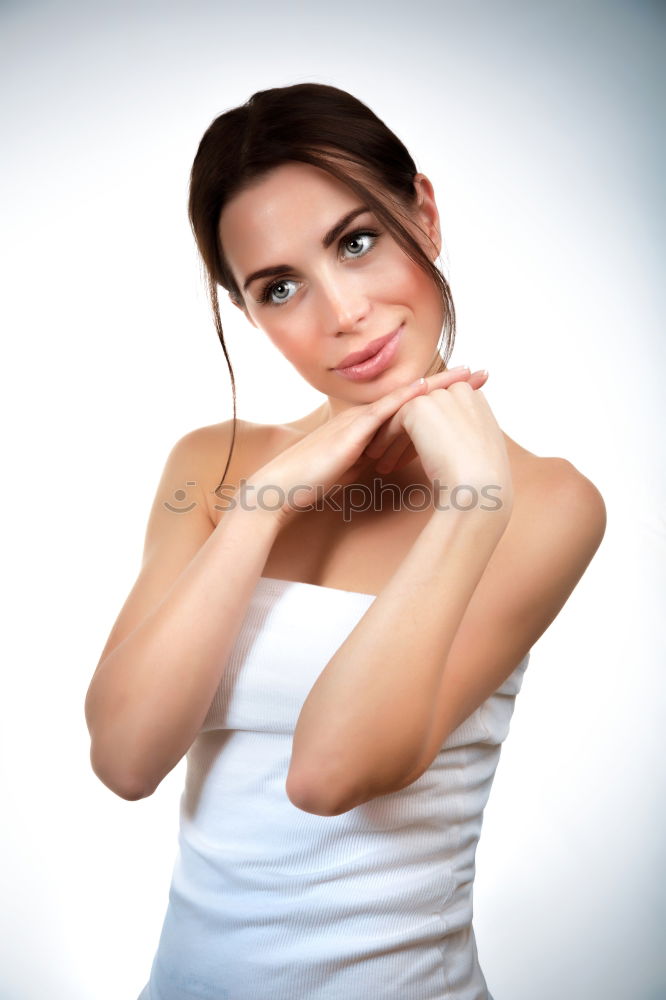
(326, 301)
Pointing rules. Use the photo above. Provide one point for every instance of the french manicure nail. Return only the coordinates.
(458, 368)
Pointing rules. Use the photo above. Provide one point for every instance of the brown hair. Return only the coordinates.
(310, 123)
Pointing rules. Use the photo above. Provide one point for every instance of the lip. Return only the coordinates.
(373, 359)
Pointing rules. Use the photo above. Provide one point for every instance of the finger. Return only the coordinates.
(408, 455)
(379, 412)
(475, 379)
(388, 431)
(393, 454)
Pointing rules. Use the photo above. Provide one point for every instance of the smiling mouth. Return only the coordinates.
(369, 351)
(377, 363)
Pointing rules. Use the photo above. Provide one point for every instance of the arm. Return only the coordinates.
(455, 620)
(365, 721)
(166, 654)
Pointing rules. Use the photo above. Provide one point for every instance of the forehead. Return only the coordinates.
(295, 201)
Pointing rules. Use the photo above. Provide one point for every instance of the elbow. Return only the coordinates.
(111, 762)
(131, 793)
(121, 782)
(299, 796)
(312, 797)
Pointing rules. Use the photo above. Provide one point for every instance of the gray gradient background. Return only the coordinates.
(538, 124)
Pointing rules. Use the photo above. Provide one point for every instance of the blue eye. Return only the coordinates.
(267, 290)
(354, 237)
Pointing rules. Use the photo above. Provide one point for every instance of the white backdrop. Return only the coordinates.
(538, 126)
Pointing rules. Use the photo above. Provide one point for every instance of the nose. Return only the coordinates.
(345, 301)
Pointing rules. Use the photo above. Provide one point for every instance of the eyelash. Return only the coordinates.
(266, 291)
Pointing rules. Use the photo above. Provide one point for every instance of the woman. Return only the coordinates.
(335, 633)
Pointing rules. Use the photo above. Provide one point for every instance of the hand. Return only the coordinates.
(333, 453)
(392, 447)
(456, 437)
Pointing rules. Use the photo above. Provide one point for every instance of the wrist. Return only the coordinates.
(246, 505)
(483, 520)
(473, 498)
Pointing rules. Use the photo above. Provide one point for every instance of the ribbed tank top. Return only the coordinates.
(268, 902)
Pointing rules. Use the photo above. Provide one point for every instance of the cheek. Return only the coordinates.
(400, 278)
(419, 293)
(293, 343)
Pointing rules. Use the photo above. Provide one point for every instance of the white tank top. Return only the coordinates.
(268, 902)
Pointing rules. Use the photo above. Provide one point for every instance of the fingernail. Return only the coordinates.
(419, 381)
(458, 368)
(481, 371)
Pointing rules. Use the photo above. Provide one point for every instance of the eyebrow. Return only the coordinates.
(328, 238)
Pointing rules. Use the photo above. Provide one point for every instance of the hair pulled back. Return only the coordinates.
(309, 123)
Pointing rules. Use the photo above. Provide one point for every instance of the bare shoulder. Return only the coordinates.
(576, 505)
(545, 473)
(557, 507)
(209, 447)
(557, 523)
(564, 492)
